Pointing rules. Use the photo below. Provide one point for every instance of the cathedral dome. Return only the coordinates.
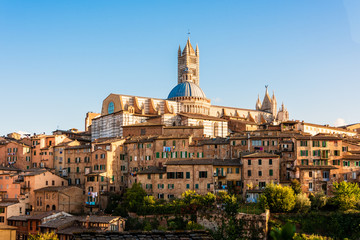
(186, 89)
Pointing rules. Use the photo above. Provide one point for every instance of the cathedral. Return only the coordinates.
(186, 105)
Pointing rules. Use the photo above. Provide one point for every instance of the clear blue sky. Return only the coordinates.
(60, 59)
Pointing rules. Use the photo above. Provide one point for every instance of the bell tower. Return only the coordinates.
(188, 62)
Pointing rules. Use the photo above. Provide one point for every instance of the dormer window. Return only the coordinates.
(111, 108)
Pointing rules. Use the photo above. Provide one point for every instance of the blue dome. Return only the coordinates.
(186, 89)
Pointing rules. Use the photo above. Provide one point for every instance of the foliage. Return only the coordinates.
(318, 200)
(277, 198)
(193, 226)
(44, 236)
(303, 203)
(346, 195)
(310, 237)
(178, 223)
(134, 197)
(113, 202)
(296, 186)
(337, 225)
(285, 233)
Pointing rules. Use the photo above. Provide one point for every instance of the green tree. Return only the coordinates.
(277, 198)
(134, 198)
(346, 195)
(296, 186)
(44, 236)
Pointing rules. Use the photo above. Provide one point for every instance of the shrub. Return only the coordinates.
(303, 203)
(277, 198)
(310, 237)
(346, 195)
(285, 233)
(318, 200)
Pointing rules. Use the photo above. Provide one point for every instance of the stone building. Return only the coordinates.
(59, 198)
(186, 105)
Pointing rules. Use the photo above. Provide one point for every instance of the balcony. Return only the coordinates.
(326, 179)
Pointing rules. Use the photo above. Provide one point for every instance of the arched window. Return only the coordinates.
(53, 207)
(110, 107)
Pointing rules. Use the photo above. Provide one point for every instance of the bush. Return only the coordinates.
(285, 233)
(310, 237)
(346, 195)
(318, 200)
(277, 198)
(303, 203)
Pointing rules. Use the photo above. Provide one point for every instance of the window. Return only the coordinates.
(259, 162)
(260, 173)
(249, 162)
(271, 173)
(256, 142)
(149, 176)
(324, 143)
(187, 186)
(196, 186)
(262, 185)
(157, 155)
(243, 142)
(336, 153)
(170, 186)
(304, 162)
(160, 186)
(303, 143)
(249, 173)
(310, 186)
(102, 156)
(202, 174)
(310, 174)
(160, 176)
(304, 152)
(47, 183)
(237, 170)
(111, 108)
(53, 182)
(346, 163)
(187, 175)
(229, 170)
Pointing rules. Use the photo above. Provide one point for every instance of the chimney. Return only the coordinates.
(87, 222)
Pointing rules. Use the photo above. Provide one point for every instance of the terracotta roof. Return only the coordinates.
(7, 227)
(188, 235)
(19, 218)
(98, 219)
(261, 155)
(144, 124)
(78, 147)
(316, 167)
(54, 188)
(352, 157)
(152, 169)
(200, 116)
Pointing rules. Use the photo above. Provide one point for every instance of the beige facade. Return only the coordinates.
(260, 169)
(61, 198)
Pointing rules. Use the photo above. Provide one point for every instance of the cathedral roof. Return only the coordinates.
(186, 89)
